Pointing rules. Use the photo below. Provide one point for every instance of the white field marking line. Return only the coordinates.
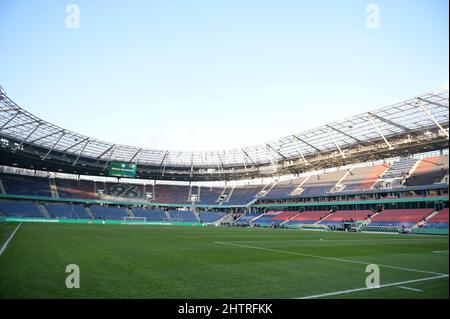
(329, 240)
(9, 239)
(409, 288)
(370, 288)
(329, 258)
(350, 233)
(445, 252)
(398, 234)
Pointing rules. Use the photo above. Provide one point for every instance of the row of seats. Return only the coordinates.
(349, 180)
(268, 219)
(12, 208)
(427, 172)
(210, 195)
(243, 195)
(161, 193)
(318, 185)
(67, 211)
(182, 216)
(247, 218)
(20, 209)
(150, 214)
(387, 218)
(346, 215)
(107, 212)
(25, 185)
(362, 178)
(211, 217)
(74, 189)
(438, 221)
(400, 217)
(284, 188)
(283, 216)
(400, 168)
(311, 217)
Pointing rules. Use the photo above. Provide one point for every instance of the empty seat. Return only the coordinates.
(150, 214)
(210, 217)
(309, 217)
(20, 209)
(400, 217)
(182, 216)
(342, 216)
(440, 220)
(67, 211)
(26, 185)
(108, 212)
(430, 170)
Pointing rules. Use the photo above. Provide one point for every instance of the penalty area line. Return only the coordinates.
(409, 288)
(9, 239)
(342, 292)
(445, 252)
(328, 258)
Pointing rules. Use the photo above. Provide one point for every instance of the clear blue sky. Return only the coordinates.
(208, 75)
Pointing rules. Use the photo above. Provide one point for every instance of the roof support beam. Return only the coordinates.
(18, 125)
(379, 131)
(300, 152)
(382, 119)
(110, 156)
(271, 158)
(192, 165)
(335, 143)
(304, 142)
(77, 143)
(45, 136)
(221, 167)
(105, 152)
(245, 166)
(28, 136)
(248, 156)
(268, 145)
(164, 158)
(81, 152)
(53, 146)
(345, 134)
(136, 154)
(163, 170)
(10, 109)
(10, 119)
(432, 102)
(162, 165)
(422, 105)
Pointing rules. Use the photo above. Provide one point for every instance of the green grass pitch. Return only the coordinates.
(131, 261)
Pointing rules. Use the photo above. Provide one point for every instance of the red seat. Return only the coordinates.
(402, 215)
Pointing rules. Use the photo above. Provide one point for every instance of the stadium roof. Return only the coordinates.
(421, 113)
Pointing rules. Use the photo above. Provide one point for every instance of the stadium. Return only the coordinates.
(304, 216)
(387, 177)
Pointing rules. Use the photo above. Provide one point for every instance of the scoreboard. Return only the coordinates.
(120, 169)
